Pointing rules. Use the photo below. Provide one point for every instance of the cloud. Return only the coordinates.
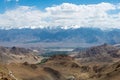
(22, 17)
(66, 15)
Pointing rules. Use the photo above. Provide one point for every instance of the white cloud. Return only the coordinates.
(66, 15)
(22, 17)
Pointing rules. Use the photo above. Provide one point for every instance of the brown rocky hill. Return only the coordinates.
(102, 53)
(60, 68)
(19, 55)
(65, 68)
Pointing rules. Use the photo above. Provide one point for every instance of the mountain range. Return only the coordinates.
(100, 63)
(71, 36)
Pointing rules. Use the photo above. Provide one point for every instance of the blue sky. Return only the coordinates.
(59, 13)
(41, 4)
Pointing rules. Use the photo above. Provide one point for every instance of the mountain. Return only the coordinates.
(67, 37)
(18, 55)
(60, 66)
(102, 53)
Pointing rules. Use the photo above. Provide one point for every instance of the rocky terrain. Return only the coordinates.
(63, 66)
(18, 55)
(102, 53)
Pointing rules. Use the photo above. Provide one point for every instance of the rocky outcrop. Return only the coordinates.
(19, 55)
(103, 53)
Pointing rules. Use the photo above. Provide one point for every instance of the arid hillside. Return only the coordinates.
(18, 55)
(64, 67)
(102, 53)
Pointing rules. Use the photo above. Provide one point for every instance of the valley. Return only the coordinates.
(59, 39)
(94, 63)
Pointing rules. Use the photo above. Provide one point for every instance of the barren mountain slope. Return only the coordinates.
(102, 53)
(18, 55)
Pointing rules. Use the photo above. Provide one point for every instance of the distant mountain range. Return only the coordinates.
(79, 35)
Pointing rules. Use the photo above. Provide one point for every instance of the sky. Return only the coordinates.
(59, 13)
